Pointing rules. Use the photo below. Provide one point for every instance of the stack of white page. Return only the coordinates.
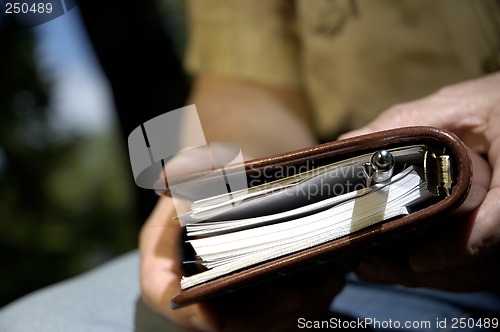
(241, 243)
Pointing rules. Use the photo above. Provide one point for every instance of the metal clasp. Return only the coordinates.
(438, 172)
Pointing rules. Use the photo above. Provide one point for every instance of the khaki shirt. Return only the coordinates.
(353, 59)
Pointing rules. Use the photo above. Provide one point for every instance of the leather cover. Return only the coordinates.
(341, 250)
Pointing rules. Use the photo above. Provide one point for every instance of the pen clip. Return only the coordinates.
(380, 167)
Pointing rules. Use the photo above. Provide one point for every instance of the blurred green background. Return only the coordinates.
(68, 201)
(65, 198)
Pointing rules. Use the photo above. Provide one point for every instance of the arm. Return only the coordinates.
(262, 120)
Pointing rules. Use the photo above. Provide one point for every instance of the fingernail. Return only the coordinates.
(201, 324)
(427, 259)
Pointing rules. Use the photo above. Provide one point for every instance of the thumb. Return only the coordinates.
(197, 317)
(423, 112)
(358, 132)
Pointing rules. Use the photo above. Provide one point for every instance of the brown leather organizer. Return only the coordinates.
(345, 249)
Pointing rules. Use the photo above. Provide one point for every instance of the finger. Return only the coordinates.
(464, 108)
(159, 286)
(480, 184)
(413, 113)
(162, 285)
(441, 109)
(446, 249)
(485, 237)
(467, 243)
(160, 269)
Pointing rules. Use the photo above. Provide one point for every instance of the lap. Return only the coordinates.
(419, 306)
(107, 299)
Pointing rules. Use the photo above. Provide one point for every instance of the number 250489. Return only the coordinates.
(27, 8)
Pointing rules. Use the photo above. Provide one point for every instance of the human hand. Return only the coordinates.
(467, 257)
(160, 269)
(273, 306)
